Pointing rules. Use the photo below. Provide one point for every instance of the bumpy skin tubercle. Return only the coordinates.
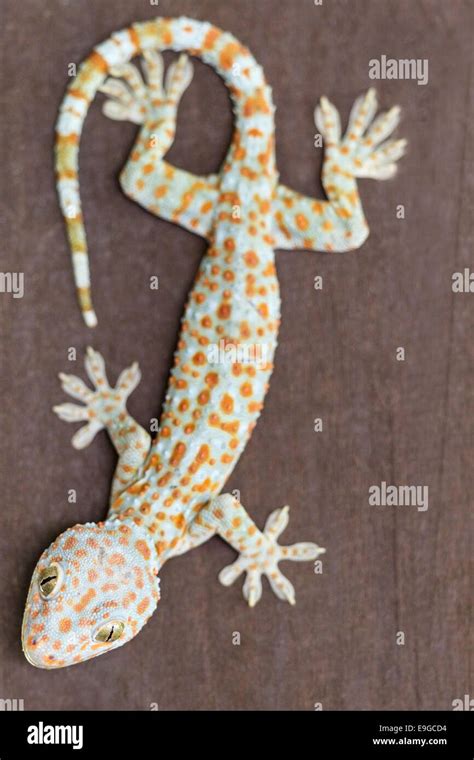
(96, 586)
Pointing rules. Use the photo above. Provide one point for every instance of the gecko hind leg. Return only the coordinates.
(139, 99)
(152, 101)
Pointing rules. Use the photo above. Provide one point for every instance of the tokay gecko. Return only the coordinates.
(96, 586)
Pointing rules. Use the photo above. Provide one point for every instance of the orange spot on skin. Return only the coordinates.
(256, 103)
(165, 479)
(135, 40)
(301, 222)
(210, 38)
(231, 427)
(201, 487)
(178, 453)
(142, 547)
(224, 311)
(117, 559)
(203, 397)
(65, 625)
(167, 37)
(179, 520)
(96, 60)
(228, 54)
(250, 174)
(109, 587)
(199, 358)
(84, 600)
(246, 389)
(228, 275)
(161, 546)
(160, 191)
(227, 404)
(142, 606)
(212, 379)
(75, 92)
(70, 542)
(236, 369)
(251, 259)
(245, 330)
(203, 453)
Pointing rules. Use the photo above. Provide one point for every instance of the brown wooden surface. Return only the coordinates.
(387, 569)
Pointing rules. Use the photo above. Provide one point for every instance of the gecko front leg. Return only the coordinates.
(259, 551)
(105, 407)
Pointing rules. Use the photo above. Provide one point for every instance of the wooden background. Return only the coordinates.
(387, 570)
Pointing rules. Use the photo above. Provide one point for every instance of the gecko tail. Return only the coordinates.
(72, 114)
(243, 76)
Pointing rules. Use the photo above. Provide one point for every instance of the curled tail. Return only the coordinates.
(244, 77)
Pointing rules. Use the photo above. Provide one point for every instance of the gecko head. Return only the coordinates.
(92, 591)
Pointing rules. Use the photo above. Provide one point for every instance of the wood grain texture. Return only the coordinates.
(386, 569)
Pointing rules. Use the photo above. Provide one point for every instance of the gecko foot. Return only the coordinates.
(102, 406)
(140, 99)
(364, 151)
(265, 562)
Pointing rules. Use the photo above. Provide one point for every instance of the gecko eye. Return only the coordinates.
(50, 581)
(109, 632)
